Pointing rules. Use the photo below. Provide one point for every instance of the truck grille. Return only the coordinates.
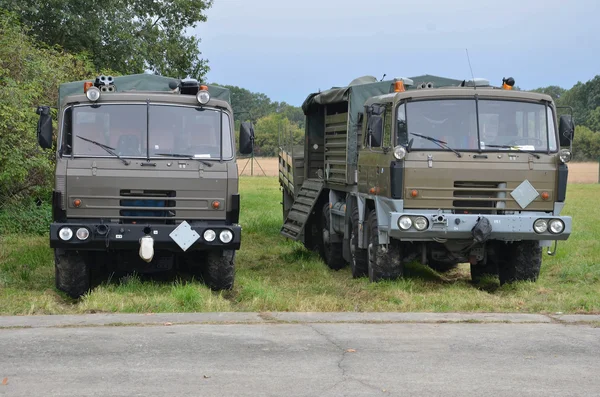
(147, 205)
(475, 197)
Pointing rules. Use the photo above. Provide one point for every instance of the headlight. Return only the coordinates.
(82, 233)
(65, 234)
(203, 97)
(540, 226)
(404, 222)
(421, 223)
(556, 226)
(93, 94)
(226, 236)
(209, 235)
(564, 155)
(399, 152)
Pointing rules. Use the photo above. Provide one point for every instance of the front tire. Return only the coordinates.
(385, 263)
(331, 253)
(72, 273)
(523, 262)
(219, 271)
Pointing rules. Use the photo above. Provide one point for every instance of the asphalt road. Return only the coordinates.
(305, 358)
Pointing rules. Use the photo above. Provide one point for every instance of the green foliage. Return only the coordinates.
(586, 145)
(26, 218)
(29, 76)
(128, 36)
(273, 129)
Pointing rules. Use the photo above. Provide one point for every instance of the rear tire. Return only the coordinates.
(331, 253)
(72, 273)
(219, 270)
(385, 263)
(523, 262)
(360, 256)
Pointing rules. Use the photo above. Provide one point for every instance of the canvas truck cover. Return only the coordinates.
(139, 82)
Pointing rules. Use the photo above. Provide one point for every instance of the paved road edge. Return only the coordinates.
(167, 319)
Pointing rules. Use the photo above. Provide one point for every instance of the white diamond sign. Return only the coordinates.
(524, 194)
(184, 235)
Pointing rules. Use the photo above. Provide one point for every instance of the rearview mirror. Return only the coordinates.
(566, 130)
(375, 130)
(246, 137)
(44, 127)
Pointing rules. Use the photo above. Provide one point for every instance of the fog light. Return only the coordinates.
(421, 223)
(565, 155)
(226, 236)
(556, 226)
(210, 235)
(399, 152)
(540, 226)
(82, 233)
(404, 222)
(65, 234)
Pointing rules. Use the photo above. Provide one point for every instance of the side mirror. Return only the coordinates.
(44, 127)
(566, 130)
(375, 130)
(246, 138)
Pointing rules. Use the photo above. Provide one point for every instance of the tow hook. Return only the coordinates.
(552, 253)
(147, 248)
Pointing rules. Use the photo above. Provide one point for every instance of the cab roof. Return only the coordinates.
(136, 83)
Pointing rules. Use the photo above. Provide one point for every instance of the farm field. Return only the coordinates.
(274, 274)
(578, 172)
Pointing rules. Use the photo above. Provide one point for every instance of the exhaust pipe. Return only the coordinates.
(147, 248)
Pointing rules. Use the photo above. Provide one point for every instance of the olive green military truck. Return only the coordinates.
(146, 179)
(432, 169)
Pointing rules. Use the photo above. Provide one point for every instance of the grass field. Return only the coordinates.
(274, 274)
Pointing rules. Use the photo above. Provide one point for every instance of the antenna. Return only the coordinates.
(472, 75)
(383, 77)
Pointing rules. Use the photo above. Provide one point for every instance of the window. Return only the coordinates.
(134, 130)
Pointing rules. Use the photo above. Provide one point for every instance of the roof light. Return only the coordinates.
(87, 85)
(203, 96)
(399, 86)
(508, 83)
(93, 94)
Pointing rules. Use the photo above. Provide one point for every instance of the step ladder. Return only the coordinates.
(303, 205)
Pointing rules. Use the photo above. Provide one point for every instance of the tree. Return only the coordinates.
(270, 129)
(29, 76)
(554, 91)
(128, 36)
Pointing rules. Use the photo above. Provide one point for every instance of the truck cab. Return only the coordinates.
(145, 178)
(443, 172)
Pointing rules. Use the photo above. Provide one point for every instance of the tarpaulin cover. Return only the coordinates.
(139, 82)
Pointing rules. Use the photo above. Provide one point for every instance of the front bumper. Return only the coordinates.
(456, 226)
(113, 236)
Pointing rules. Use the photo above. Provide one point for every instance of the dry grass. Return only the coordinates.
(276, 274)
(578, 172)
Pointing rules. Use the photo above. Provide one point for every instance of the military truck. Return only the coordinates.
(146, 179)
(438, 170)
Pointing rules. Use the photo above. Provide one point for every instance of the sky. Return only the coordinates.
(288, 49)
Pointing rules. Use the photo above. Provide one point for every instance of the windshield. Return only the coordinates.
(509, 124)
(140, 131)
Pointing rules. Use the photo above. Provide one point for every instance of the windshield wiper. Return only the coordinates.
(107, 148)
(515, 148)
(440, 143)
(186, 156)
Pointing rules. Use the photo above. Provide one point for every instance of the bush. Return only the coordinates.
(586, 145)
(28, 218)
